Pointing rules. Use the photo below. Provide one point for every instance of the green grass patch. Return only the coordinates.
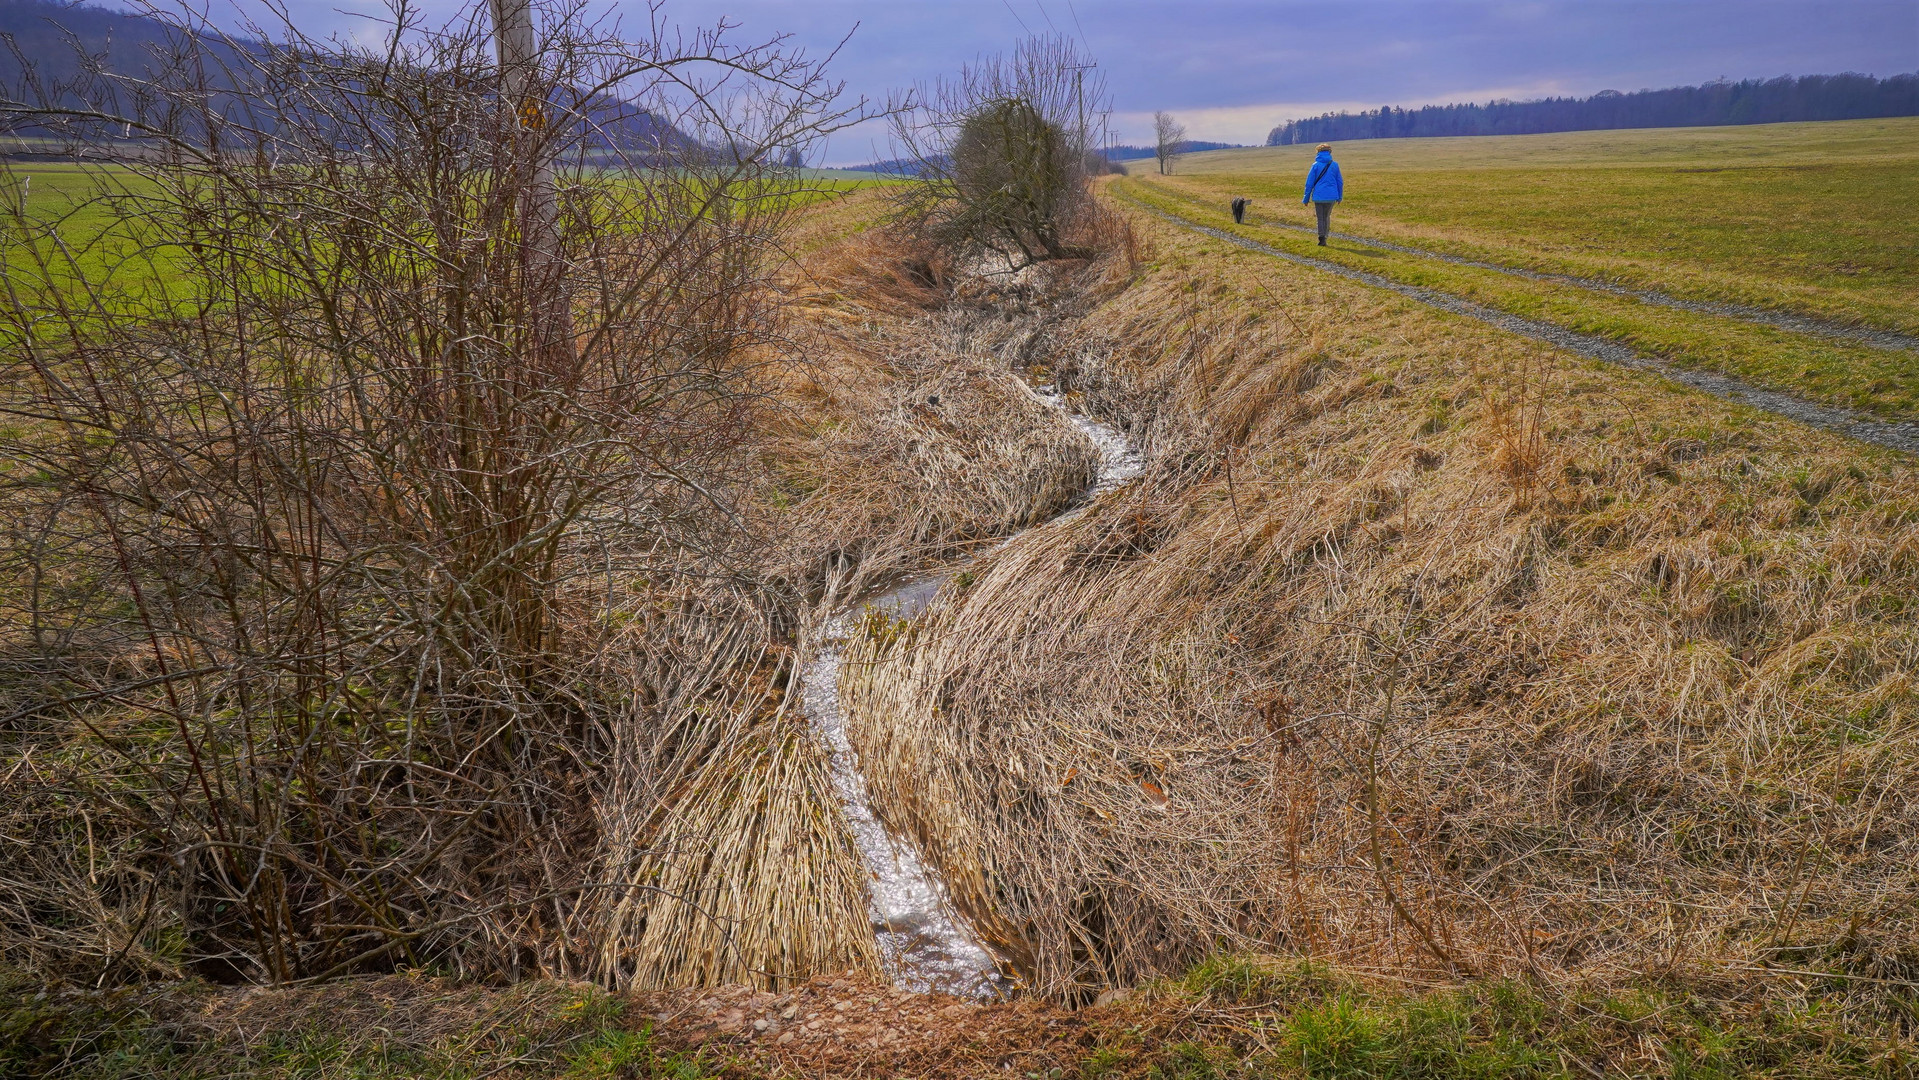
(1303, 1020)
(1879, 381)
(428, 1030)
(1811, 218)
(70, 241)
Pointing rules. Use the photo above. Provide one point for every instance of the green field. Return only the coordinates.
(65, 243)
(1807, 219)
(60, 230)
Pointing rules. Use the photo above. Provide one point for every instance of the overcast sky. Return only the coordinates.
(1232, 69)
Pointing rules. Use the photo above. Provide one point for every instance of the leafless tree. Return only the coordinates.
(1169, 140)
(1002, 154)
(369, 439)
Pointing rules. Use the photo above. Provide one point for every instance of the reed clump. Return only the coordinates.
(1422, 651)
(910, 439)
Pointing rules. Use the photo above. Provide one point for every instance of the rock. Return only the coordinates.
(842, 1006)
(785, 1037)
(762, 1024)
(790, 1012)
(1112, 997)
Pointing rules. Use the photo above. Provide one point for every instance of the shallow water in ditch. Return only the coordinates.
(923, 945)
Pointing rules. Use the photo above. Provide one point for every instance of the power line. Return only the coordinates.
(1076, 25)
(1016, 18)
(1043, 15)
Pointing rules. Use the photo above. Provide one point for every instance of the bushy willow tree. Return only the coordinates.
(1001, 155)
(383, 411)
(1014, 175)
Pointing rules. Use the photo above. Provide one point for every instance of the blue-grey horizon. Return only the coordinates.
(1233, 69)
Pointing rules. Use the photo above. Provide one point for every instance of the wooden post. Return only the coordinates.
(531, 156)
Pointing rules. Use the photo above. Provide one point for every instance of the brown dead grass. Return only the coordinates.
(899, 442)
(908, 441)
(1420, 649)
(851, 1027)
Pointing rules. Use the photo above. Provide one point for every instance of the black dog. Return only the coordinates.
(1239, 210)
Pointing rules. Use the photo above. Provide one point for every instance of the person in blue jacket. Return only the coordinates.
(1324, 187)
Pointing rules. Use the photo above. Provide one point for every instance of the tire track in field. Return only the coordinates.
(1898, 436)
(1778, 320)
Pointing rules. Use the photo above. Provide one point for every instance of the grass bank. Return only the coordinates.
(1420, 648)
(1230, 1016)
(1879, 381)
(1803, 217)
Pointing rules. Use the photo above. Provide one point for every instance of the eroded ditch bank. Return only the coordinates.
(923, 945)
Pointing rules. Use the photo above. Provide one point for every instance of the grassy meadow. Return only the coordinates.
(1808, 219)
(64, 238)
(1435, 705)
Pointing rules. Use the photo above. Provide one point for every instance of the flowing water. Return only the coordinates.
(925, 947)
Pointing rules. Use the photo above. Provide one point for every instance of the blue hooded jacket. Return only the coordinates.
(1323, 182)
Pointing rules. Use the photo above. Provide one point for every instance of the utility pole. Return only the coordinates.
(1079, 100)
(531, 157)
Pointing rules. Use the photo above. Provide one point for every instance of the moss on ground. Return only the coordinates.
(1230, 1016)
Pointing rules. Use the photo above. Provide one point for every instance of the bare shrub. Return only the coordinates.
(1169, 140)
(1002, 156)
(379, 591)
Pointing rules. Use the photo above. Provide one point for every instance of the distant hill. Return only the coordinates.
(57, 39)
(1753, 101)
(904, 166)
(51, 36)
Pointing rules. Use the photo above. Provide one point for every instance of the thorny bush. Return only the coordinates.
(367, 490)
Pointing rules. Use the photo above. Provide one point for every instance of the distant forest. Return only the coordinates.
(1191, 146)
(62, 41)
(1753, 101)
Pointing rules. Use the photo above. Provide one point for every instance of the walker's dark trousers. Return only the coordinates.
(1325, 212)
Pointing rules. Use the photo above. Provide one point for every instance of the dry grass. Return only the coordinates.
(900, 446)
(1421, 650)
(909, 441)
(1416, 649)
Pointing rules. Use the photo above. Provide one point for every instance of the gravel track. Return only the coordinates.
(1897, 436)
(1779, 320)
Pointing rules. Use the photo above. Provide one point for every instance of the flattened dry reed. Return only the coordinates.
(1418, 650)
(914, 442)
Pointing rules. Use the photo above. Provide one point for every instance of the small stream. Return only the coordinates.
(923, 945)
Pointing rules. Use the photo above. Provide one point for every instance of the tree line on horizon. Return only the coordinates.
(1751, 101)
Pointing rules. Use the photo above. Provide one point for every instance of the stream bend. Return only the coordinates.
(924, 947)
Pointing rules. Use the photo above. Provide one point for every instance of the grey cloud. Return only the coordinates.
(1226, 59)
